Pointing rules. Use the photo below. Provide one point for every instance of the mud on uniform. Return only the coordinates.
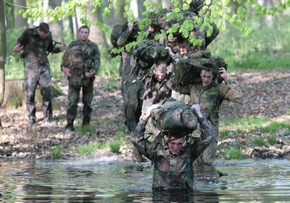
(37, 69)
(80, 58)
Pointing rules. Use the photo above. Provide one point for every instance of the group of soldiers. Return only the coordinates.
(157, 76)
(80, 63)
(152, 77)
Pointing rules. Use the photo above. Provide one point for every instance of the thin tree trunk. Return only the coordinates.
(56, 27)
(19, 21)
(266, 19)
(2, 51)
(96, 34)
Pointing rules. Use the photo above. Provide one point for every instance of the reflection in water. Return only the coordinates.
(95, 181)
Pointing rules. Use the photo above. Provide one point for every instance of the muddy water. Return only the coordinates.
(113, 181)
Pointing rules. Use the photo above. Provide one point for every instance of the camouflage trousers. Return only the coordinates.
(35, 74)
(132, 93)
(73, 99)
(209, 154)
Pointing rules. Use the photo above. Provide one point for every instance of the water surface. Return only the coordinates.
(114, 181)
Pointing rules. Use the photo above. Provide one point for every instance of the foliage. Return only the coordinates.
(259, 141)
(256, 51)
(271, 140)
(275, 126)
(116, 145)
(233, 153)
(56, 152)
(213, 11)
(89, 149)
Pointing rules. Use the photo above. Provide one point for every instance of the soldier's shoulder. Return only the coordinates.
(93, 44)
(74, 43)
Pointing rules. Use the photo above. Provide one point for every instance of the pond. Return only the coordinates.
(115, 181)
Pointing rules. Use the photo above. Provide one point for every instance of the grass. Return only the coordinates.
(233, 153)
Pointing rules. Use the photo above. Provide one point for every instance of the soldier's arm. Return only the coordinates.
(96, 59)
(229, 89)
(21, 42)
(206, 133)
(122, 40)
(65, 62)
(55, 47)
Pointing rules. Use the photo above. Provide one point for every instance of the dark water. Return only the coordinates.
(113, 181)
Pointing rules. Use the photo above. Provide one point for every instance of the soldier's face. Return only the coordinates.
(176, 145)
(206, 78)
(41, 34)
(84, 34)
(159, 75)
(182, 48)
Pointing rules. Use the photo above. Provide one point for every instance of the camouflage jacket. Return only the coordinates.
(211, 98)
(35, 48)
(83, 56)
(173, 171)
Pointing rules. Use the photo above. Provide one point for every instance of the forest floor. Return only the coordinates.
(265, 94)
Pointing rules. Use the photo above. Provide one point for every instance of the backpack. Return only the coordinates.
(116, 33)
(175, 117)
(187, 71)
(158, 20)
(147, 52)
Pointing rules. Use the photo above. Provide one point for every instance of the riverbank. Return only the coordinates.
(265, 94)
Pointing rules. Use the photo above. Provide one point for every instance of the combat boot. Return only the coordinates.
(69, 128)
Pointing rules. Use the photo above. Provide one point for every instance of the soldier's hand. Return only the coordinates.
(223, 73)
(17, 47)
(63, 46)
(90, 74)
(66, 71)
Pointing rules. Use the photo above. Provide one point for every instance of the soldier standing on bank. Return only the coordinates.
(35, 44)
(80, 63)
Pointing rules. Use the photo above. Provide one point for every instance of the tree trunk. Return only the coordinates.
(15, 94)
(2, 51)
(141, 8)
(19, 21)
(266, 19)
(96, 34)
(56, 27)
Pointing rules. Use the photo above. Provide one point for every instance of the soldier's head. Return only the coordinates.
(84, 32)
(160, 70)
(175, 143)
(42, 30)
(207, 77)
(183, 45)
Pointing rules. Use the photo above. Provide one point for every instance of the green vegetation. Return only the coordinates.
(89, 149)
(56, 152)
(86, 129)
(233, 153)
(259, 141)
(256, 131)
(256, 51)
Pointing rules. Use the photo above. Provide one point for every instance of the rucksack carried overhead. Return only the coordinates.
(147, 52)
(175, 117)
(116, 33)
(187, 71)
(119, 29)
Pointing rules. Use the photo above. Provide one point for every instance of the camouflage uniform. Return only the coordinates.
(37, 70)
(132, 89)
(173, 171)
(210, 99)
(80, 58)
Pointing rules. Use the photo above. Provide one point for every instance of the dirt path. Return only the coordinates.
(265, 94)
